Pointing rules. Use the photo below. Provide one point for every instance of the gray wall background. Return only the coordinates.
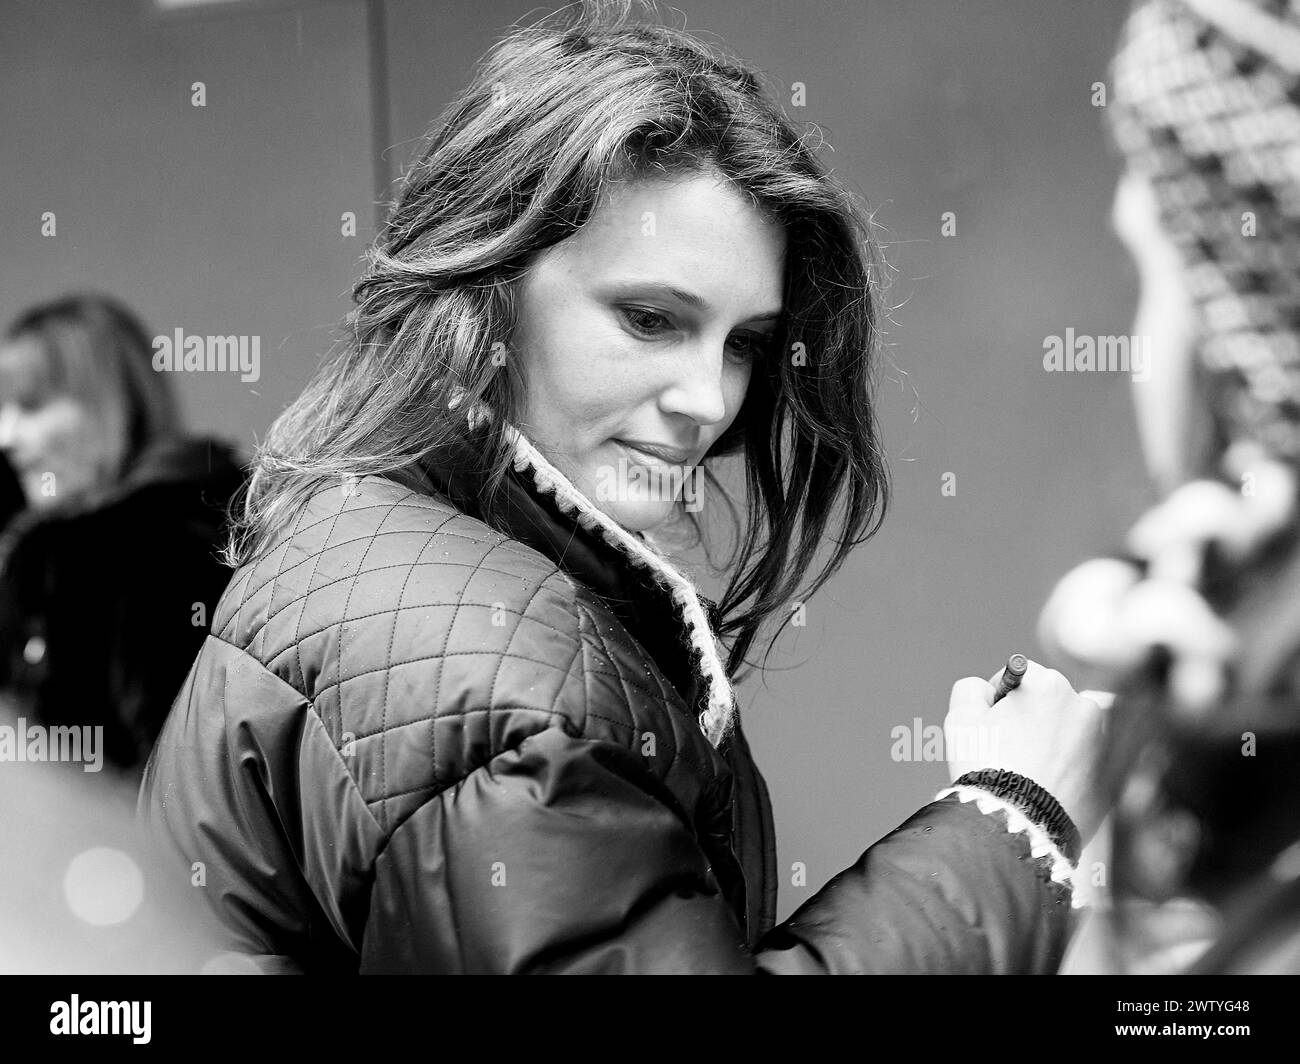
(226, 219)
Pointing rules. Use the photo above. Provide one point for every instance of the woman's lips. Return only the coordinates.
(655, 452)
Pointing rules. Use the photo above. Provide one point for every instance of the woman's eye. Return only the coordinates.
(752, 346)
(637, 318)
(651, 322)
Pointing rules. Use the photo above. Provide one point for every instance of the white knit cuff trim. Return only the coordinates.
(1040, 843)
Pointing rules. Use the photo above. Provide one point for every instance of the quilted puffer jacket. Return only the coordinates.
(414, 742)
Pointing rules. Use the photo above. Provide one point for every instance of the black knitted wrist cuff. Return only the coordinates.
(1032, 800)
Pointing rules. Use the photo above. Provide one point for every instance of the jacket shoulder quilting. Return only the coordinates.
(428, 643)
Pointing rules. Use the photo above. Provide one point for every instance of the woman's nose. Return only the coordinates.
(697, 387)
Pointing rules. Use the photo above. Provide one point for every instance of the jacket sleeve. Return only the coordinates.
(559, 855)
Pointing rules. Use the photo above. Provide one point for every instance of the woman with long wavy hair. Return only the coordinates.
(459, 710)
(109, 567)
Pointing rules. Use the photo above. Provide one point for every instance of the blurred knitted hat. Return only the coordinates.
(1206, 104)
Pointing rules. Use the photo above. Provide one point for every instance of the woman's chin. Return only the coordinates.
(638, 515)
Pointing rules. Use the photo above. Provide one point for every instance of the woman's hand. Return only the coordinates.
(1105, 616)
(1043, 730)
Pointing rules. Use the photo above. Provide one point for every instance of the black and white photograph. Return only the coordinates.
(630, 487)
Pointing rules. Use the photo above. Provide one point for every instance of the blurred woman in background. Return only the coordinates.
(1197, 624)
(109, 568)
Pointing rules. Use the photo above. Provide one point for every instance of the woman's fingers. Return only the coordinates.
(1268, 487)
(1043, 730)
(1198, 683)
(1197, 513)
(1078, 620)
(1170, 614)
(1172, 535)
(971, 691)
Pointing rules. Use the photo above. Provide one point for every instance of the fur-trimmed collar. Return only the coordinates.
(601, 551)
(718, 718)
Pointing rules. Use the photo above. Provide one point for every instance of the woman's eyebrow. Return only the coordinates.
(690, 299)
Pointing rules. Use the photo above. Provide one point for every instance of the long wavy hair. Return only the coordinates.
(556, 115)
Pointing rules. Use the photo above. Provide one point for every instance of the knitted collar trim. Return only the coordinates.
(718, 718)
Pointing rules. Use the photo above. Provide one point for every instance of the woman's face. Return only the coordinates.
(1166, 317)
(48, 438)
(642, 330)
